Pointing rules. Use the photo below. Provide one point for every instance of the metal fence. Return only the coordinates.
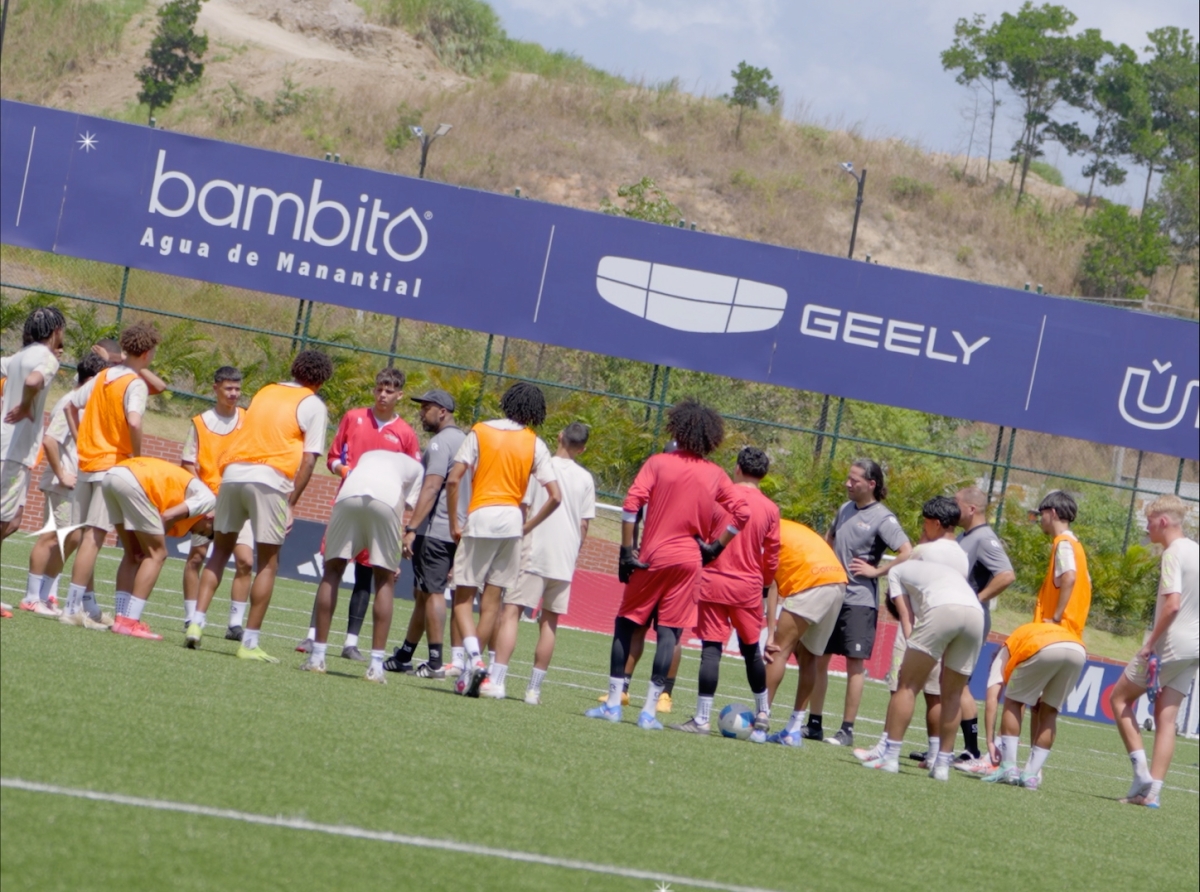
(811, 437)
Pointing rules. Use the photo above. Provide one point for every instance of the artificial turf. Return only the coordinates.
(150, 719)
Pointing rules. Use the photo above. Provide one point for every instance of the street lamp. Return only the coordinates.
(861, 179)
(426, 141)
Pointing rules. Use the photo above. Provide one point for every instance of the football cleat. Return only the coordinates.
(469, 682)
(254, 653)
(940, 772)
(1149, 800)
(691, 726)
(305, 646)
(842, 738)
(603, 698)
(312, 664)
(72, 619)
(1030, 781)
(604, 712)
(234, 633)
(981, 766)
(891, 766)
(28, 605)
(491, 690)
(103, 624)
(786, 738)
(41, 608)
(394, 664)
(194, 635)
(454, 670)
(664, 702)
(648, 722)
(812, 732)
(351, 652)
(427, 671)
(5, 611)
(866, 755)
(1007, 773)
(919, 756)
(376, 676)
(134, 628)
(533, 698)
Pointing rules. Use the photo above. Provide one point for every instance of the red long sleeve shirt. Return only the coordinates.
(679, 491)
(361, 432)
(749, 562)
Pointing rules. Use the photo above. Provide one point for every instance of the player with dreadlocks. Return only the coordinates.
(501, 455)
(680, 491)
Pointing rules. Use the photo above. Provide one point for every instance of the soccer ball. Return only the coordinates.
(736, 721)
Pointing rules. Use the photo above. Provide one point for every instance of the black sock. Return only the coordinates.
(669, 686)
(848, 727)
(404, 654)
(435, 656)
(970, 729)
(814, 721)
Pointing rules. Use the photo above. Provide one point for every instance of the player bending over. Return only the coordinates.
(731, 590)
(1174, 642)
(679, 491)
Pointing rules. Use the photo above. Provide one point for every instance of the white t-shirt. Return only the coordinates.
(136, 395)
(553, 546)
(199, 498)
(68, 457)
(946, 552)
(391, 477)
(217, 424)
(930, 585)
(1179, 573)
(1064, 557)
(19, 442)
(501, 521)
(313, 418)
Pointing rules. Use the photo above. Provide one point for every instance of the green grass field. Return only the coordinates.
(253, 742)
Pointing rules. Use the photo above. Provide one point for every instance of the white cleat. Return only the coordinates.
(376, 676)
(891, 766)
(940, 773)
(491, 690)
(533, 698)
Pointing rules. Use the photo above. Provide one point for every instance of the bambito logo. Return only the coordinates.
(689, 299)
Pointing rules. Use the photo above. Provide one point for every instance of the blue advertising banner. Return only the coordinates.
(171, 203)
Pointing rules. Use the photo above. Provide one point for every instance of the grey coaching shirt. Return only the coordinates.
(437, 459)
(865, 533)
(986, 557)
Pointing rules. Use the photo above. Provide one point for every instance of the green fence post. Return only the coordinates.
(995, 462)
(1179, 477)
(662, 403)
(121, 297)
(487, 360)
(1137, 476)
(307, 320)
(1012, 436)
(653, 387)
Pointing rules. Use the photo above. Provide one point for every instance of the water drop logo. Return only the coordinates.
(1151, 417)
(689, 299)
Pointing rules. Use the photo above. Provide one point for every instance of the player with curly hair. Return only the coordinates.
(264, 470)
(680, 492)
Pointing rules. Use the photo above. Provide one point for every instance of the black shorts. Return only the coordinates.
(432, 560)
(854, 633)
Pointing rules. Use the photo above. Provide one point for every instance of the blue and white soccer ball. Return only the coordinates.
(736, 721)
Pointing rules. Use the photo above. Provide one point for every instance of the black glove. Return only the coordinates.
(627, 563)
(709, 551)
(766, 592)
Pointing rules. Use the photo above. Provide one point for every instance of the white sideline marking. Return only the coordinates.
(421, 842)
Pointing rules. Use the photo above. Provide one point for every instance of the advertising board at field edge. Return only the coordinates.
(213, 211)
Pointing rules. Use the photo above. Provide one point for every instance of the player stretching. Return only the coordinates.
(210, 432)
(1064, 599)
(149, 499)
(367, 515)
(502, 455)
(731, 590)
(112, 405)
(31, 369)
(548, 561)
(802, 608)
(58, 486)
(860, 533)
(679, 491)
(942, 620)
(361, 431)
(427, 538)
(263, 473)
(1174, 642)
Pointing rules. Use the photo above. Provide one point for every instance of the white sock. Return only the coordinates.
(881, 747)
(1156, 789)
(250, 639)
(471, 646)
(536, 679)
(616, 687)
(351, 641)
(135, 608)
(237, 613)
(90, 606)
(1008, 748)
(931, 751)
(891, 752)
(653, 692)
(491, 657)
(458, 657)
(1037, 758)
(50, 587)
(189, 611)
(312, 633)
(703, 710)
(1141, 770)
(944, 758)
(199, 617)
(796, 723)
(33, 588)
(377, 660)
(75, 595)
(497, 673)
(761, 704)
(121, 603)
(318, 651)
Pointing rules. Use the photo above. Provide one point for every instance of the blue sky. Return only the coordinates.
(869, 63)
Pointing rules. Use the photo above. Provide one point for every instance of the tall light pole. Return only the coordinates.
(861, 179)
(426, 141)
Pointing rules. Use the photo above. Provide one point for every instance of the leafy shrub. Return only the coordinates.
(644, 201)
(910, 189)
(399, 136)
(1047, 172)
(1125, 250)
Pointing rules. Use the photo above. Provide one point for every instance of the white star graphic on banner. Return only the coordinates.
(88, 141)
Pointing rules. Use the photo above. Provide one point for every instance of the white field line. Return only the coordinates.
(421, 842)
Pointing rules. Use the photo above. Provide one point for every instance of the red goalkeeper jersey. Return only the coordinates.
(361, 432)
(749, 562)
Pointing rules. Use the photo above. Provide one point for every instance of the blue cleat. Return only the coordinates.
(647, 722)
(603, 712)
(785, 739)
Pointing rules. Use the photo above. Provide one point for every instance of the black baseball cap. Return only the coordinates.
(438, 398)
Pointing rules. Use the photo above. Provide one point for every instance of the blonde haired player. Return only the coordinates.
(1174, 641)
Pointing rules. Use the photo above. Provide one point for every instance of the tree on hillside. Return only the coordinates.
(1125, 249)
(751, 86)
(1179, 197)
(174, 54)
(973, 56)
(1169, 135)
